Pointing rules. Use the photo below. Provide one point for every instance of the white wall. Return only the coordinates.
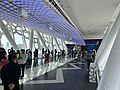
(110, 79)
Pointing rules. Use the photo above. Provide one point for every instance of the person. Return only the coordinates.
(10, 74)
(18, 56)
(3, 62)
(89, 59)
(51, 55)
(29, 58)
(59, 55)
(23, 59)
(55, 53)
(35, 57)
(2, 53)
(42, 52)
(93, 55)
(47, 52)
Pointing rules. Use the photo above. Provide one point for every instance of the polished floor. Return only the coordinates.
(65, 74)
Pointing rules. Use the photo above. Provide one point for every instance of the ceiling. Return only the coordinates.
(91, 17)
(39, 17)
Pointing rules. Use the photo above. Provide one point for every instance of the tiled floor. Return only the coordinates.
(57, 75)
(34, 72)
(69, 76)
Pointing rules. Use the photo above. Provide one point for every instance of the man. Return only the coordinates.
(10, 74)
(89, 59)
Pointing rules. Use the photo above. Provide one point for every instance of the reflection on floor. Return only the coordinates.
(34, 72)
(69, 75)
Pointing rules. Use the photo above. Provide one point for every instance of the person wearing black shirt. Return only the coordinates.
(2, 53)
(35, 57)
(10, 74)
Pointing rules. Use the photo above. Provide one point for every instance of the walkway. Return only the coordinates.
(69, 75)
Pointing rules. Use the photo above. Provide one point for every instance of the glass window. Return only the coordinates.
(27, 43)
(14, 24)
(18, 28)
(26, 34)
(13, 27)
(36, 45)
(5, 43)
(4, 22)
(18, 40)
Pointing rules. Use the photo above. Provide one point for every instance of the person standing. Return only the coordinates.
(89, 59)
(23, 59)
(35, 57)
(55, 53)
(2, 53)
(10, 74)
(30, 58)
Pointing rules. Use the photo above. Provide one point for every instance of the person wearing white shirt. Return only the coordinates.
(23, 59)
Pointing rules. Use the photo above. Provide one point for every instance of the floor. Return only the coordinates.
(64, 74)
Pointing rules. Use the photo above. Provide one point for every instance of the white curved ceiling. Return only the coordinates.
(91, 17)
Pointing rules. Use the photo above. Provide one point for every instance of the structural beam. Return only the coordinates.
(52, 47)
(31, 39)
(40, 37)
(23, 38)
(57, 43)
(8, 36)
(11, 29)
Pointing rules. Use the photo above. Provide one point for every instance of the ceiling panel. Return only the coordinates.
(40, 17)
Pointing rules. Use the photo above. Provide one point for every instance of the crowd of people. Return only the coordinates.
(25, 57)
(83, 56)
(13, 63)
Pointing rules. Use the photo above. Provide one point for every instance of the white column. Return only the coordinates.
(31, 39)
(10, 24)
(103, 43)
(23, 38)
(8, 36)
(101, 61)
(52, 47)
(110, 79)
(40, 37)
(0, 38)
(39, 45)
(57, 43)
